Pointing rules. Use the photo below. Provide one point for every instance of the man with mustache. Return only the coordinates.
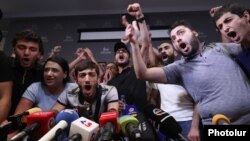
(28, 48)
(90, 99)
(233, 22)
(209, 74)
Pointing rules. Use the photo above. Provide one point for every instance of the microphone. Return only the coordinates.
(146, 129)
(131, 109)
(220, 119)
(75, 137)
(109, 125)
(129, 126)
(168, 125)
(68, 115)
(16, 122)
(20, 117)
(27, 130)
(46, 121)
(83, 128)
(61, 125)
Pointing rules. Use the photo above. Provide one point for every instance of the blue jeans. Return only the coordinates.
(185, 126)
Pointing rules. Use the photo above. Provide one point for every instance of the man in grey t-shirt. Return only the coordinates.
(90, 99)
(210, 75)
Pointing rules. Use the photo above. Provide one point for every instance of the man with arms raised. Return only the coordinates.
(209, 74)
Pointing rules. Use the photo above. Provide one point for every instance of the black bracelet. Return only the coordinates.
(140, 20)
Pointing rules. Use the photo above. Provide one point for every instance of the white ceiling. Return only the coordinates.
(44, 8)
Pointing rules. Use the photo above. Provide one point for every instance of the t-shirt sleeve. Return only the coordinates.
(31, 92)
(5, 71)
(172, 73)
(62, 99)
(231, 49)
(112, 95)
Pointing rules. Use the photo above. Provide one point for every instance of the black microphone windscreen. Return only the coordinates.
(168, 125)
(75, 137)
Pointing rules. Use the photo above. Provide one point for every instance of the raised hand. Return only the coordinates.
(57, 49)
(79, 51)
(130, 33)
(108, 75)
(213, 10)
(135, 10)
(88, 53)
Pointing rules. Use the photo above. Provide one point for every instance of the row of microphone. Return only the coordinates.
(68, 126)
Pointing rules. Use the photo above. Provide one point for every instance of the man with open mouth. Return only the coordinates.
(208, 72)
(28, 48)
(89, 99)
(233, 22)
(125, 80)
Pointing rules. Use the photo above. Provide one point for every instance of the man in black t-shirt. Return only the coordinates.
(5, 86)
(28, 49)
(125, 81)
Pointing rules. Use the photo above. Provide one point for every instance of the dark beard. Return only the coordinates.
(125, 64)
(195, 47)
(169, 61)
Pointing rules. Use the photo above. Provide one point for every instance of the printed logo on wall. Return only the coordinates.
(68, 38)
(44, 39)
(105, 51)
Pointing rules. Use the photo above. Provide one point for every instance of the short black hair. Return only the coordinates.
(29, 35)
(86, 64)
(234, 8)
(178, 23)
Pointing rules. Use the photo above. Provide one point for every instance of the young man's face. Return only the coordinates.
(122, 57)
(233, 27)
(87, 80)
(184, 40)
(167, 52)
(27, 53)
(53, 74)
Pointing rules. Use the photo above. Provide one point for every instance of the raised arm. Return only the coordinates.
(141, 70)
(79, 57)
(55, 51)
(92, 58)
(5, 99)
(144, 38)
(23, 105)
